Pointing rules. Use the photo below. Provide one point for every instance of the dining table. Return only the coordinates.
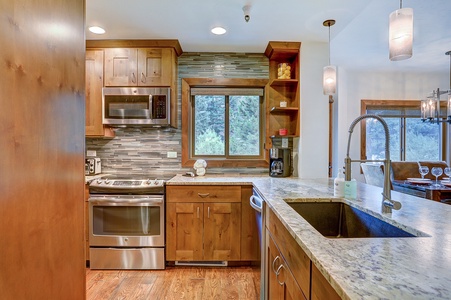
(425, 189)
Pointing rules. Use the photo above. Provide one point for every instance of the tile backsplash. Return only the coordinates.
(144, 150)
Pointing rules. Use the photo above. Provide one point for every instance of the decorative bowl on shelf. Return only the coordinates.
(283, 131)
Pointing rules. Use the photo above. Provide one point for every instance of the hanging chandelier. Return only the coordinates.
(329, 72)
(430, 107)
(400, 33)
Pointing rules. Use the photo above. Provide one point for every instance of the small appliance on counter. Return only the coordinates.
(280, 162)
(93, 166)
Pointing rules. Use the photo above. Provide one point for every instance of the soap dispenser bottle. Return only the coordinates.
(339, 184)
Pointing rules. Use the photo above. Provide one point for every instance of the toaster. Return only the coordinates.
(93, 166)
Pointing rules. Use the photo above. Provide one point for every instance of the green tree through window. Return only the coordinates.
(227, 125)
(410, 138)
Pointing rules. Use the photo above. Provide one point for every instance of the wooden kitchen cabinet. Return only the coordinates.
(138, 67)
(147, 63)
(203, 223)
(286, 90)
(290, 272)
(281, 282)
(321, 288)
(292, 257)
(93, 89)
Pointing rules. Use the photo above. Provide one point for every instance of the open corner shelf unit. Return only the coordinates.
(279, 90)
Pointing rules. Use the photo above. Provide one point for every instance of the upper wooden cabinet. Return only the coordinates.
(285, 88)
(125, 63)
(93, 91)
(138, 67)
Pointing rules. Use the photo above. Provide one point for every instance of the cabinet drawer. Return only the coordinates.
(297, 260)
(203, 193)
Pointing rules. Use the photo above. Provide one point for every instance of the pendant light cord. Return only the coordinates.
(329, 44)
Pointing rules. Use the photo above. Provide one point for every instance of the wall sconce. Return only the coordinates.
(329, 72)
(430, 107)
(400, 33)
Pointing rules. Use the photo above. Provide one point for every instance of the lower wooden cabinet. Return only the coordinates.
(290, 273)
(210, 223)
(321, 288)
(281, 282)
(203, 231)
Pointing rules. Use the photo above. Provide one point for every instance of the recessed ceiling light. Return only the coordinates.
(218, 30)
(97, 30)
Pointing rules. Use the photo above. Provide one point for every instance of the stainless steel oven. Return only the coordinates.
(126, 224)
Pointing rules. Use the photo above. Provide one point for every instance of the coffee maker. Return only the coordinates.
(280, 162)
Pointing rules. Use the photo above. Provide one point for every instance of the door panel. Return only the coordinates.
(184, 231)
(222, 225)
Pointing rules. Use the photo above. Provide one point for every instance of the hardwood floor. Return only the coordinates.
(241, 283)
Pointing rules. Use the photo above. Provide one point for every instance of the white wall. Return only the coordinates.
(354, 86)
(314, 115)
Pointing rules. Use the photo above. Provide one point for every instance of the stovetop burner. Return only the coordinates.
(118, 184)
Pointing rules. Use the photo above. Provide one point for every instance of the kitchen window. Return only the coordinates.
(225, 124)
(410, 138)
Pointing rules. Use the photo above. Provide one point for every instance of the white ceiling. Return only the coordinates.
(359, 39)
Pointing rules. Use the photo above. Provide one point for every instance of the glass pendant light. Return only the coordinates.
(401, 33)
(329, 72)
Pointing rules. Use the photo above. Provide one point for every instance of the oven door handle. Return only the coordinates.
(127, 202)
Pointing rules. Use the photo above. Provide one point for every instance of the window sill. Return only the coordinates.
(236, 163)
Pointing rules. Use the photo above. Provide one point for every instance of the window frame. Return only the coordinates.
(365, 103)
(187, 84)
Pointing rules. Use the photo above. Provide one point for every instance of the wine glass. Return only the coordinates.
(423, 171)
(436, 171)
(447, 172)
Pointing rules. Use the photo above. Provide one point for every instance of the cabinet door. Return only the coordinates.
(93, 90)
(321, 288)
(121, 67)
(281, 282)
(222, 225)
(184, 231)
(154, 67)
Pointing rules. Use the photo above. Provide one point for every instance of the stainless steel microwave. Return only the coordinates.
(129, 106)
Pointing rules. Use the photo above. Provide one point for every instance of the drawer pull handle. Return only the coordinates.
(274, 262)
(208, 212)
(203, 195)
(277, 275)
(198, 210)
(133, 78)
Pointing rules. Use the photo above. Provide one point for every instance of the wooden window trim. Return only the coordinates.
(187, 84)
(399, 103)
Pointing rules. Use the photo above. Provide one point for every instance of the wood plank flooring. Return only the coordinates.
(242, 283)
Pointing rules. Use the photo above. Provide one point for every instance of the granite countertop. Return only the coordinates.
(363, 268)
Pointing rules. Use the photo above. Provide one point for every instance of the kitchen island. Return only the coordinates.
(362, 268)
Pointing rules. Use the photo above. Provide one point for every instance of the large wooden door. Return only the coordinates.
(121, 67)
(154, 67)
(184, 235)
(222, 224)
(42, 138)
